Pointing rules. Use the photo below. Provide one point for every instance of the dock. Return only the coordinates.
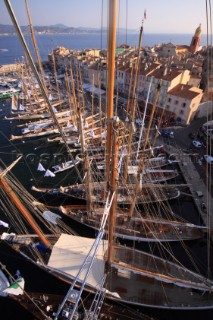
(9, 68)
(199, 191)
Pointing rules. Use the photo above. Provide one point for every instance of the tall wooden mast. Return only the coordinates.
(110, 79)
(110, 94)
(133, 106)
(23, 210)
(35, 45)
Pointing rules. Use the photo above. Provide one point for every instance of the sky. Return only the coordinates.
(162, 16)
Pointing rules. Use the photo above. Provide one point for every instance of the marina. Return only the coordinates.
(105, 214)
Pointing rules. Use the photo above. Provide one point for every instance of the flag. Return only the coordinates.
(144, 14)
(40, 167)
(49, 173)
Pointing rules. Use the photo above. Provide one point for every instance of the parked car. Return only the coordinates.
(167, 133)
(208, 159)
(197, 144)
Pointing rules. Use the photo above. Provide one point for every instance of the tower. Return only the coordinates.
(195, 43)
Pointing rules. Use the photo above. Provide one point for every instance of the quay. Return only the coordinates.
(199, 191)
(8, 68)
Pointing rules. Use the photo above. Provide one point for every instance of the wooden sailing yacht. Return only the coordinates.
(133, 277)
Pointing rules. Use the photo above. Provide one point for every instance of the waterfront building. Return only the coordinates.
(183, 101)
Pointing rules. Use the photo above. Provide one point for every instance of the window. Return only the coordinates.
(184, 104)
(169, 100)
(167, 107)
(176, 102)
(181, 111)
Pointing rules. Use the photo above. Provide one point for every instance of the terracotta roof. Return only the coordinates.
(168, 75)
(184, 91)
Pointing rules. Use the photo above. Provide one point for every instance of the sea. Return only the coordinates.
(46, 43)
(33, 151)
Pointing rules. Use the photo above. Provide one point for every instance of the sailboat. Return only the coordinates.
(133, 277)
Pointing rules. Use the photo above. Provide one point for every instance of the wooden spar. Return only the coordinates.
(110, 95)
(69, 96)
(110, 80)
(93, 86)
(113, 186)
(55, 73)
(132, 108)
(3, 173)
(24, 211)
(74, 96)
(20, 74)
(163, 277)
(35, 46)
(34, 69)
(32, 83)
(100, 106)
(141, 164)
(85, 162)
(151, 116)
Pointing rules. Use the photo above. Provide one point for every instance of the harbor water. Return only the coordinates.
(26, 172)
(46, 43)
(34, 151)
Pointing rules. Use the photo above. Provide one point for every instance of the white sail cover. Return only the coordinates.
(4, 224)
(68, 255)
(40, 167)
(49, 173)
(51, 217)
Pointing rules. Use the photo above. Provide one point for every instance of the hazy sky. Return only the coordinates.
(163, 16)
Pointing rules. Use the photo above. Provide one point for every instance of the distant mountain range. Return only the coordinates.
(57, 28)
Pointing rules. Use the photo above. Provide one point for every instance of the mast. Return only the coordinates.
(24, 211)
(133, 106)
(35, 45)
(33, 67)
(110, 95)
(55, 74)
(141, 164)
(110, 79)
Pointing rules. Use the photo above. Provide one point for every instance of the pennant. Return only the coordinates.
(49, 173)
(40, 167)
